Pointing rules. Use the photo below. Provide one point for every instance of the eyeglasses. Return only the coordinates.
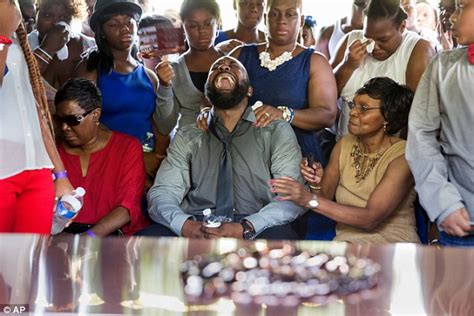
(73, 119)
(360, 107)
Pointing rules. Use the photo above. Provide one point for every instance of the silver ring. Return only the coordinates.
(267, 115)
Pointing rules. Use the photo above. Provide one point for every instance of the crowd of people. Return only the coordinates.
(280, 131)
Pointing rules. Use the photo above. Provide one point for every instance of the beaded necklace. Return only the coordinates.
(363, 162)
(271, 64)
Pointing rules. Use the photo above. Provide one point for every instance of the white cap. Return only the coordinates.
(80, 191)
(73, 201)
(207, 212)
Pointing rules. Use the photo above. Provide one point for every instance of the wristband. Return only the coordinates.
(59, 175)
(4, 41)
(91, 234)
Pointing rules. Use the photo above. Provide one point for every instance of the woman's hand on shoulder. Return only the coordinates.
(267, 114)
(203, 118)
(226, 47)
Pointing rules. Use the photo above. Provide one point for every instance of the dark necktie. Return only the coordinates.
(225, 183)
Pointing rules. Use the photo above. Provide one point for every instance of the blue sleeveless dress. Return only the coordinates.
(288, 86)
(128, 102)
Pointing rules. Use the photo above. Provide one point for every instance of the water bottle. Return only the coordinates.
(149, 143)
(66, 209)
(210, 220)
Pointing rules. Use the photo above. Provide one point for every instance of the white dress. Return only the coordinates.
(393, 67)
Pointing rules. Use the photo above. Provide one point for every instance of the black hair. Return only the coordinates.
(101, 58)
(386, 9)
(154, 19)
(395, 101)
(190, 5)
(82, 91)
(74, 8)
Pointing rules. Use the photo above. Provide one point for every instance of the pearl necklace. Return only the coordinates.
(272, 64)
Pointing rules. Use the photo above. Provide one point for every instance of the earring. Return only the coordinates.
(385, 127)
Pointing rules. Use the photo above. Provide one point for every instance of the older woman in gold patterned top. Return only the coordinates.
(367, 174)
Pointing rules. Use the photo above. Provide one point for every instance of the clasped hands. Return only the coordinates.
(196, 230)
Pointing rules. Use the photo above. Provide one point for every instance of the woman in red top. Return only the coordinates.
(108, 165)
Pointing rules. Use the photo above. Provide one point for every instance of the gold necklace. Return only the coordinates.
(364, 163)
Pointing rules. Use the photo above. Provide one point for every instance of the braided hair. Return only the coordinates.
(36, 79)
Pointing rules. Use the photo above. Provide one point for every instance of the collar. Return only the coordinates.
(217, 128)
(248, 115)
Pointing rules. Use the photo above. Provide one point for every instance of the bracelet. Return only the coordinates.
(292, 115)
(42, 55)
(315, 187)
(44, 52)
(91, 234)
(41, 58)
(59, 175)
(206, 109)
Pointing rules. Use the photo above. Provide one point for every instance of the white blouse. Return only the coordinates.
(21, 143)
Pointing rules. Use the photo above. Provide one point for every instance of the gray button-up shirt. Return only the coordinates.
(440, 149)
(186, 182)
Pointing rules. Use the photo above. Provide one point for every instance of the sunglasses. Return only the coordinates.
(72, 120)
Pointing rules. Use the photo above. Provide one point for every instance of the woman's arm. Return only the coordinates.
(162, 141)
(62, 185)
(387, 196)
(331, 177)
(10, 18)
(419, 60)
(347, 60)
(322, 94)
(116, 219)
(3, 63)
(128, 191)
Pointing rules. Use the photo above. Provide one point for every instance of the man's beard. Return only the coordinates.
(226, 100)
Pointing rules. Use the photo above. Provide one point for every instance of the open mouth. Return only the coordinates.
(224, 81)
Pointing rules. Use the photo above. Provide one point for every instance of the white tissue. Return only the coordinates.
(257, 105)
(63, 53)
(370, 47)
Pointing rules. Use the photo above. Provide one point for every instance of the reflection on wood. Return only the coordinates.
(141, 276)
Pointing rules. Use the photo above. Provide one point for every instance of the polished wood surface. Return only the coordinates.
(140, 276)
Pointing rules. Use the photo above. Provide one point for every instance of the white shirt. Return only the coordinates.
(21, 143)
(394, 67)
